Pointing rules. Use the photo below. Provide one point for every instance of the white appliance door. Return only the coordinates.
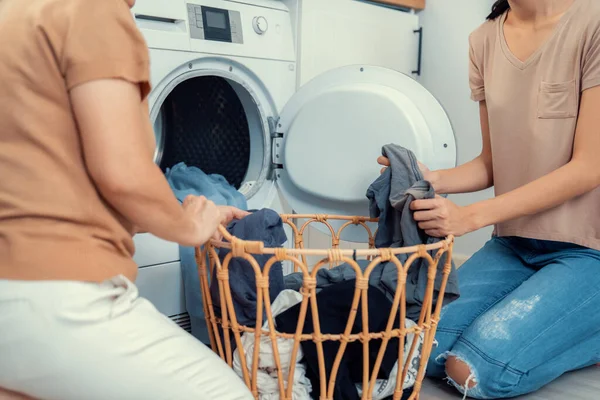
(332, 132)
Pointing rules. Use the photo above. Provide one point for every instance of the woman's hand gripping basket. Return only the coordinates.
(226, 333)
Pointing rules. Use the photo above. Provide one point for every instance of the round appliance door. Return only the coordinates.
(213, 116)
(333, 131)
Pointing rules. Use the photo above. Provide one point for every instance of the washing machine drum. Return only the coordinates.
(203, 123)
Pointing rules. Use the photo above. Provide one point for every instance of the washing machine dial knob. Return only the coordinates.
(260, 25)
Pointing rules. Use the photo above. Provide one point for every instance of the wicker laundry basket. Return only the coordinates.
(225, 328)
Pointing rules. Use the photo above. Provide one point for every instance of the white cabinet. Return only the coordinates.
(162, 285)
(335, 33)
(150, 250)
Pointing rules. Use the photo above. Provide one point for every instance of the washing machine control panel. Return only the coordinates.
(216, 24)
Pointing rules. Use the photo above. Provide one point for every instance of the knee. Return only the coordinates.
(460, 373)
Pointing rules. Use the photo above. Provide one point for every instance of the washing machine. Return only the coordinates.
(224, 99)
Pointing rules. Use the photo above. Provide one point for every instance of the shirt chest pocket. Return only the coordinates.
(557, 100)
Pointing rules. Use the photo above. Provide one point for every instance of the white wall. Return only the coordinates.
(336, 33)
(447, 25)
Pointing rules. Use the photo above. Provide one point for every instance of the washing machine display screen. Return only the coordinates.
(216, 20)
(216, 24)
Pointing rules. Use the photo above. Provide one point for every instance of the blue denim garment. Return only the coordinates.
(528, 313)
(185, 181)
(263, 226)
(390, 197)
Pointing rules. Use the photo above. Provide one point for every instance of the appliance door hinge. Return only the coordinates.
(276, 143)
(276, 147)
(277, 152)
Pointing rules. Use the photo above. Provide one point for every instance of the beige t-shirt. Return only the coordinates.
(53, 222)
(533, 108)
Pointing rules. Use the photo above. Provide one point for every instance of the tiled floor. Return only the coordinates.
(581, 385)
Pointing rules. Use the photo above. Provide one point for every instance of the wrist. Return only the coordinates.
(189, 231)
(475, 216)
(434, 177)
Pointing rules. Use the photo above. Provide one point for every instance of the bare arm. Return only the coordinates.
(473, 176)
(118, 146)
(440, 217)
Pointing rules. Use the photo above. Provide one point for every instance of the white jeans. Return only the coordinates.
(74, 340)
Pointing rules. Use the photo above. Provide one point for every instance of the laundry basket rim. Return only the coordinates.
(259, 248)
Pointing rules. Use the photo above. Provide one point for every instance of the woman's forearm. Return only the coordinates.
(473, 176)
(566, 183)
(440, 217)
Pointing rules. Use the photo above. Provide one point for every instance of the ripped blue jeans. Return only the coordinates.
(529, 311)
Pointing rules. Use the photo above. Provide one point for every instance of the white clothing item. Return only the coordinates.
(385, 387)
(67, 340)
(267, 383)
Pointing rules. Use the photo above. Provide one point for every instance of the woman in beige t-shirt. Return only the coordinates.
(529, 302)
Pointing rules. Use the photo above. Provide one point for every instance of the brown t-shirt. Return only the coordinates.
(53, 222)
(533, 108)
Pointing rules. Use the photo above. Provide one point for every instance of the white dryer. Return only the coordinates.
(224, 99)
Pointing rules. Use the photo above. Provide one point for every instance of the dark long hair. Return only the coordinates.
(499, 8)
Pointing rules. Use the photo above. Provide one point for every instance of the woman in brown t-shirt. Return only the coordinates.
(529, 302)
(77, 174)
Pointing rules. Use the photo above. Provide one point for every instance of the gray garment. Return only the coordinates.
(390, 197)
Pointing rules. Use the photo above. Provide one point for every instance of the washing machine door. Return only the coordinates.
(332, 130)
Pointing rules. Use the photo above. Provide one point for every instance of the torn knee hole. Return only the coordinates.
(460, 372)
(443, 357)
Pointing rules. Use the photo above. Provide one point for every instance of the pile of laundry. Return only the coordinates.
(337, 295)
(390, 197)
